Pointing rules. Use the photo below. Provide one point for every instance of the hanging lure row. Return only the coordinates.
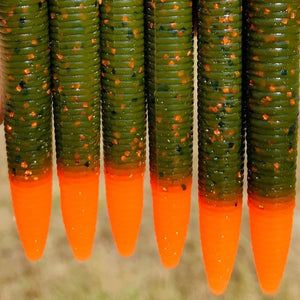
(75, 58)
(169, 61)
(272, 78)
(273, 96)
(221, 142)
(123, 116)
(25, 68)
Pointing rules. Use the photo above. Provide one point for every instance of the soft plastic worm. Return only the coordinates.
(123, 116)
(75, 59)
(272, 123)
(169, 61)
(25, 68)
(221, 141)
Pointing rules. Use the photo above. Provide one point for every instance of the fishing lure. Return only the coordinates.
(75, 43)
(169, 86)
(25, 68)
(123, 117)
(273, 96)
(221, 140)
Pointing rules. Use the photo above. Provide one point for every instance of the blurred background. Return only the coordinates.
(108, 276)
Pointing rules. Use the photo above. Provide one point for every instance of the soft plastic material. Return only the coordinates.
(219, 232)
(79, 193)
(32, 207)
(124, 198)
(270, 229)
(171, 213)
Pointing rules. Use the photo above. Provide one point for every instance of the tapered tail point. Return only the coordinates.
(32, 207)
(171, 213)
(79, 205)
(124, 197)
(219, 231)
(270, 229)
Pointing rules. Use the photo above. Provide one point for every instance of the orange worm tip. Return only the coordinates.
(270, 228)
(124, 198)
(171, 213)
(79, 194)
(219, 230)
(32, 207)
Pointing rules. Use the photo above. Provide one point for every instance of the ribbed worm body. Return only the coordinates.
(25, 68)
(169, 61)
(75, 58)
(272, 123)
(221, 139)
(124, 117)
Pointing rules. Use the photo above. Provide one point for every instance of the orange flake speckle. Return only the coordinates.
(117, 135)
(213, 109)
(59, 56)
(265, 117)
(207, 68)
(226, 40)
(217, 132)
(180, 73)
(24, 165)
(178, 119)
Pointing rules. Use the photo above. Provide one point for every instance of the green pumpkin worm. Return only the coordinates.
(25, 81)
(123, 117)
(75, 59)
(221, 136)
(169, 85)
(272, 78)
